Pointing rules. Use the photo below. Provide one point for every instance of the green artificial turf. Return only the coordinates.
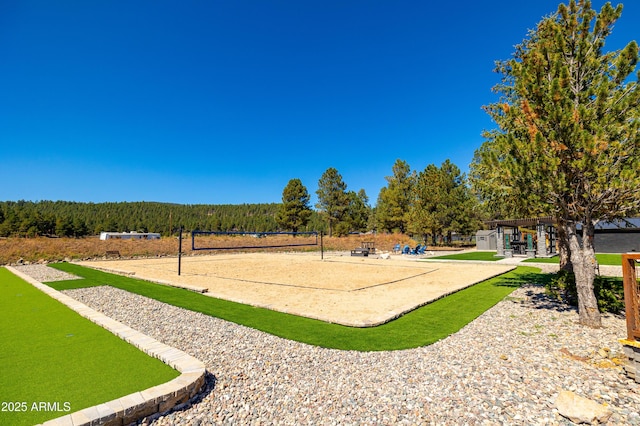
(53, 361)
(420, 327)
(610, 259)
(472, 255)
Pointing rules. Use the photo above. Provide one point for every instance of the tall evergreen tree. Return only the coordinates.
(358, 211)
(394, 200)
(333, 200)
(427, 195)
(294, 212)
(568, 141)
(442, 203)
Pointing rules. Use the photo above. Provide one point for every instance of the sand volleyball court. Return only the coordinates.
(353, 291)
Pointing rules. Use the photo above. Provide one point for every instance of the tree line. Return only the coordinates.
(431, 204)
(75, 219)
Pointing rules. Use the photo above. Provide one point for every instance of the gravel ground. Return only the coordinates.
(45, 274)
(506, 367)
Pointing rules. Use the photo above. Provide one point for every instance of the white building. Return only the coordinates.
(129, 235)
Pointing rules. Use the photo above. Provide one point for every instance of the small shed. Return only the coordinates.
(486, 240)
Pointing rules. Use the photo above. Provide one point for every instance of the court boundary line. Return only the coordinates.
(318, 288)
(245, 280)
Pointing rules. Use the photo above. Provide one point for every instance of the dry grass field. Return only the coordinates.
(13, 250)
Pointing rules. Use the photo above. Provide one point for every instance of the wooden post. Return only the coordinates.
(631, 345)
(630, 282)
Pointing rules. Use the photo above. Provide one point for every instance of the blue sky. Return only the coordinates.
(223, 102)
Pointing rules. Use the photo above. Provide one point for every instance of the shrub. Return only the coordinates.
(609, 291)
(610, 294)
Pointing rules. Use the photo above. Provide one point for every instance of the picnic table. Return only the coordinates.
(360, 251)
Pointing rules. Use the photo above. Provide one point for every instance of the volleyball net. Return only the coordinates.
(237, 240)
(240, 240)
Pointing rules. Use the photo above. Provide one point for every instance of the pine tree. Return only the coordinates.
(568, 143)
(442, 203)
(358, 211)
(333, 200)
(294, 212)
(394, 200)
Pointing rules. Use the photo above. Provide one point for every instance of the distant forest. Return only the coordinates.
(432, 204)
(74, 219)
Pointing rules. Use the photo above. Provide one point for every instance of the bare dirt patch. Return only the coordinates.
(354, 291)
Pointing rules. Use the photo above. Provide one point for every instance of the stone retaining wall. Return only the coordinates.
(133, 407)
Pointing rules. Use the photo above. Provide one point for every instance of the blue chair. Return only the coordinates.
(396, 248)
(406, 250)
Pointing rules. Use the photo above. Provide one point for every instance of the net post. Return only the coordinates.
(179, 250)
(321, 247)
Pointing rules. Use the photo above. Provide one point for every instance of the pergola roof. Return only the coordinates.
(514, 223)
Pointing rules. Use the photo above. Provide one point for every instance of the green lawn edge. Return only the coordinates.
(420, 327)
(489, 256)
(53, 356)
(608, 259)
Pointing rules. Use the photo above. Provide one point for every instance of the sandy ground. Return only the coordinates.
(353, 291)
